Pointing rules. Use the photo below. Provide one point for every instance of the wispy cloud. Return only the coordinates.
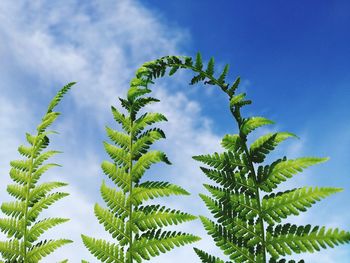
(99, 45)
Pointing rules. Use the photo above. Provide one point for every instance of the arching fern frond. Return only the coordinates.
(22, 226)
(136, 228)
(237, 206)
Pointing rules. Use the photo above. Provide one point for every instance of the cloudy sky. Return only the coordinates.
(294, 60)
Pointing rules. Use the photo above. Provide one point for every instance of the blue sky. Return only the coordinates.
(293, 57)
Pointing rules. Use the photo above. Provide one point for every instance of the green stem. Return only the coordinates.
(243, 137)
(25, 230)
(130, 193)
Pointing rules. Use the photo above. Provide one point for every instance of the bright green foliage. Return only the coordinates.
(136, 227)
(22, 226)
(247, 224)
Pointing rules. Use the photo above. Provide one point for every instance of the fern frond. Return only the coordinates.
(240, 230)
(21, 224)
(133, 226)
(236, 205)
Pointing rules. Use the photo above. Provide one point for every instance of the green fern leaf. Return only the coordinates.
(150, 189)
(103, 250)
(252, 123)
(232, 143)
(112, 224)
(115, 200)
(153, 243)
(231, 91)
(45, 248)
(133, 226)
(198, 64)
(235, 182)
(285, 239)
(21, 224)
(275, 174)
(118, 175)
(206, 258)
(149, 217)
(118, 138)
(278, 206)
(59, 96)
(223, 161)
(120, 118)
(267, 143)
(41, 226)
(226, 241)
(145, 140)
(145, 120)
(12, 227)
(43, 203)
(145, 162)
(222, 77)
(11, 250)
(210, 69)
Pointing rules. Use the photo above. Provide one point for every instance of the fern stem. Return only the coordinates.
(27, 204)
(237, 115)
(130, 193)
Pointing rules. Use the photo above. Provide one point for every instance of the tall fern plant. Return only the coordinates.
(22, 224)
(136, 227)
(247, 209)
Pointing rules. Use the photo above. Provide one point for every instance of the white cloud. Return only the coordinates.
(99, 45)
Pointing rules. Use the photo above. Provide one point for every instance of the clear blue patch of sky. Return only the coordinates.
(295, 54)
